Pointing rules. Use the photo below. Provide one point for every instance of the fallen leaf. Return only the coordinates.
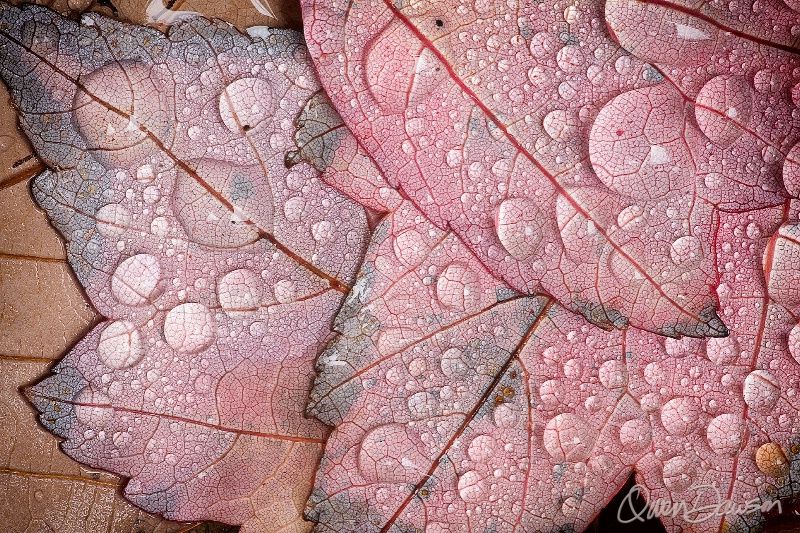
(216, 269)
(519, 134)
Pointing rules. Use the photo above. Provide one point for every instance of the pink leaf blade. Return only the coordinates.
(217, 269)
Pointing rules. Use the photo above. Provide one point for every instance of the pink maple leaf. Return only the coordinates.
(217, 269)
(645, 190)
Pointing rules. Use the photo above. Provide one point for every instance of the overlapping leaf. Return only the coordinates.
(454, 411)
(217, 268)
(524, 133)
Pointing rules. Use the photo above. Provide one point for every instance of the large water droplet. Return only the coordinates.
(190, 328)
(794, 342)
(137, 279)
(723, 109)
(245, 104)
(482, 448)
(93, 407)
(632, 219)
(472, 487)
(679, 416)
(567, 437)
(761, 391)
(423, 405)
(520, 227)
(771, 460)
(635, 434)
(458, 287)
(113, 220)
(613, 375)
(791, 171)
(686, 251)
(726, 433)
(239, 291)
(120, 345)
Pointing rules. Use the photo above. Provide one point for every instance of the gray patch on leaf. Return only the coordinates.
(53, 398)
(319, 132)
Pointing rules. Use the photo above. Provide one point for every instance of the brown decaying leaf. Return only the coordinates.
(43, 312)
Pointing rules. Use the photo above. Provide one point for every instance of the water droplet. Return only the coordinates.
(113, 220)
(458, 287)
(726, 433)
(780, 265)
(472, 487)
(520, 227)
(417, 367)
(145, 173)
(151, 194)
(723, 109)
(322, 231)
(423, 405)
(635, 434)
(761, 391)
(453, 365)
(294, 209)
(543, 44)
(722, 350)
(120, 345)
(771, 460)
(190, 328)
(794, 342)
(679, 416)
(791, 171)
(567, 437)
(159, 227)
(678, 474)
(573, 368)
(93, 407)
(753, 231)
(767, 81)
(686, 251)
(613, 375)
(410, 247)
(136, 281)
(570, 58)
(570, 506)
(551, 392)
(632, 219)
(482, 448)
(559, 124)
(245, 104)
(285, 291)
(239, 291)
